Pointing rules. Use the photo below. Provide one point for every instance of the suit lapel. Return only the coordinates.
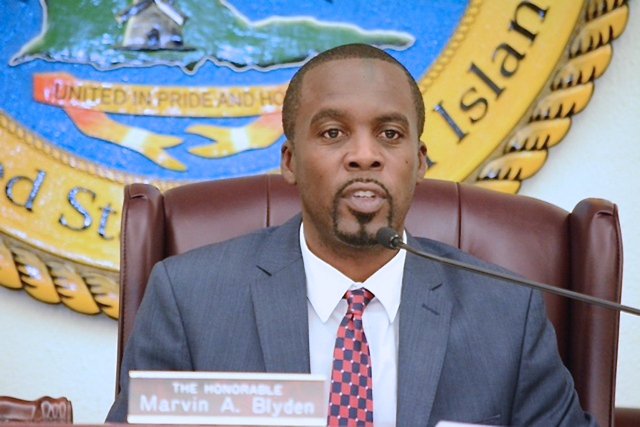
(280, 302)
(425, 313)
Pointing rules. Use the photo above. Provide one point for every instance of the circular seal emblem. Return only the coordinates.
(102, 94)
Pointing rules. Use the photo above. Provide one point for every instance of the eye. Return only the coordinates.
(331, 133)
(391, 134)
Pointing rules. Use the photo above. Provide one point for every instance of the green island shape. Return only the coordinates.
(86, 31)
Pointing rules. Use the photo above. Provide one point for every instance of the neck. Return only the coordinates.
(358, 264)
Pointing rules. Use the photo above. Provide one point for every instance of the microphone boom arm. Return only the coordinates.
(397, 243)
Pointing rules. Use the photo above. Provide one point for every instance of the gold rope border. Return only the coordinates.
(56, 282)
(525, 150)
(468, 19)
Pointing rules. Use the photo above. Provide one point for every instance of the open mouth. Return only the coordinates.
(365, 197)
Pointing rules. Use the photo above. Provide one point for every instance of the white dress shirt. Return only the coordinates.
(325, 289)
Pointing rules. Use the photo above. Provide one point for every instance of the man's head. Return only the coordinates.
(357, 155)
(349, 51)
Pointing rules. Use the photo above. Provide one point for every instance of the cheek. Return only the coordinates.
(317, 172)
(406, 182)
(314, 179)
(317, 186)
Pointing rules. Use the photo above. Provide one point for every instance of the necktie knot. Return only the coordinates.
(357, 300)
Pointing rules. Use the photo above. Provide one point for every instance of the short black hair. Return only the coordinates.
(348, 51)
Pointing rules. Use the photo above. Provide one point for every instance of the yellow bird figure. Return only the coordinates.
(260, 133)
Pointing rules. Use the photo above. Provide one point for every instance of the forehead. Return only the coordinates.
(357, 81)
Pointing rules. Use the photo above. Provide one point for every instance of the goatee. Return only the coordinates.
(361, 238)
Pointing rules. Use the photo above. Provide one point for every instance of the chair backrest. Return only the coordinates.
(43, 410)
(581, 250)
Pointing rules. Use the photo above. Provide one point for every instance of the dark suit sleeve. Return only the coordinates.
(545, 393)
(157, 342)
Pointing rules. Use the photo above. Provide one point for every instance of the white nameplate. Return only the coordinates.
(219, 398)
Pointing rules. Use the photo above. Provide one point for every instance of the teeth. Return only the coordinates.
(363, 193)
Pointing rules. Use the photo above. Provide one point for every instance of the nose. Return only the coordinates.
(363, 153)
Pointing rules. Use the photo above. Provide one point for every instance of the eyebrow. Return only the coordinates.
(328, 113)
(393, 118)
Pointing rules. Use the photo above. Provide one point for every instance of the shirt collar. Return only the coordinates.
(326, 285)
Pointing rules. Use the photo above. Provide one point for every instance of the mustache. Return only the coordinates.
(344, 186)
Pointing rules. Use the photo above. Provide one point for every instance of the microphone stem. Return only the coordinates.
(397, 242)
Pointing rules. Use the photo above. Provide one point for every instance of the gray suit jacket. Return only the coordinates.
(470, 348)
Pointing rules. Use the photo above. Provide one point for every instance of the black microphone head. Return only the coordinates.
(387, 236)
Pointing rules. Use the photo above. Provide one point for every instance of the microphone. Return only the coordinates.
(388, 238)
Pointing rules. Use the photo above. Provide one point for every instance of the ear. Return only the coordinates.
(422, 162)
(287, 163)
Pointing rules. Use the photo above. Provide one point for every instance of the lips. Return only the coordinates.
(364, 197)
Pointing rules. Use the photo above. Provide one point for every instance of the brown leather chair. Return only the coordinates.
(581, 250)
(627, 417)
(43, 410)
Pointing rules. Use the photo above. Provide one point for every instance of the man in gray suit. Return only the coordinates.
(444, 343)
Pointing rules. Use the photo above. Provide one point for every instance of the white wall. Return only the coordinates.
(600, 157)
(53, 350)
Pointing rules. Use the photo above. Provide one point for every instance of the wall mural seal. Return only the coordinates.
(102, 94)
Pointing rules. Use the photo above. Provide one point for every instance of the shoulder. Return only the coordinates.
(220, 277)
(471, 289)
(241, 248)
(235, 248)
(234, 260)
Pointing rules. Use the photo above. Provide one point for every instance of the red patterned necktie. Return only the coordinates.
(351, 395)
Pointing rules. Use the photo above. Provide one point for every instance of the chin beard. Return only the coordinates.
(362, 238)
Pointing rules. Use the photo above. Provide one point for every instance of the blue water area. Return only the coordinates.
(430, 22)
